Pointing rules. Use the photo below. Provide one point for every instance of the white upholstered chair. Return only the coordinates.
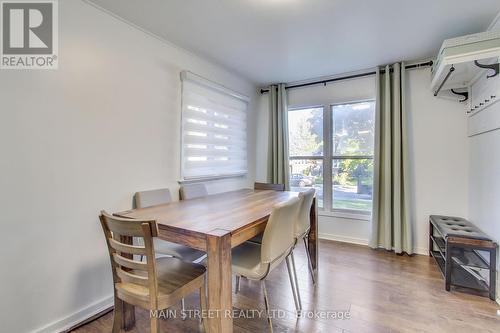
(193, 191)
(152, 198)
(255, 261)
(268, 186)
(158, 197)
(303, 223)
(265, 186)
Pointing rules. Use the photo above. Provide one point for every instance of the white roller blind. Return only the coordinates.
(214, 129)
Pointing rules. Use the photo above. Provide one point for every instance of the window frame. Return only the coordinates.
(328, 157)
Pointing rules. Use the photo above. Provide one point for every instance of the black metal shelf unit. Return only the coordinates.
(464, 256)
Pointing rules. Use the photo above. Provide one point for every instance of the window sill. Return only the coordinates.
(346, 215)
(207, 179)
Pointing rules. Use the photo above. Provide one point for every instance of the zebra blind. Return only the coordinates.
(214, 129)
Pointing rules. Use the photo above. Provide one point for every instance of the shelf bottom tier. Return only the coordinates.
(460, 277)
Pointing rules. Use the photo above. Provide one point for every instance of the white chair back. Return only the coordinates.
(303, 222)
(152, 198)
(193, 191)
(278, 238)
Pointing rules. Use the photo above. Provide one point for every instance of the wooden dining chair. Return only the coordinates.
(256, 261)
(193, 191)
(269, 186)
(153, 285)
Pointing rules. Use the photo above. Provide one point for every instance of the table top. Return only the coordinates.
(229, 211)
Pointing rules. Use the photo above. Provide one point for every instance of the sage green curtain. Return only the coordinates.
(277, 162)
(391, 219)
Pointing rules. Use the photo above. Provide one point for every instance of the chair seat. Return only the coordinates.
(176, 250)
(176, 278)
(246, 261)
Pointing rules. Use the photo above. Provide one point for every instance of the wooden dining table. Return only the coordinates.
(216, 224)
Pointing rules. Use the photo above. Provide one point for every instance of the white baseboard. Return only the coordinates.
(65, 323)
(361, 241)
(344, 239)
(422, 251)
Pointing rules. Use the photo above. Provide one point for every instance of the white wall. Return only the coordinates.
(495, 24)
(438, 152)
(484, 179)
(438, 155)
(80, 139)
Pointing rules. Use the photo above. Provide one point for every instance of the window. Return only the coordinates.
(214, 133)
(353, 127)
(305, 133)
(332, 151)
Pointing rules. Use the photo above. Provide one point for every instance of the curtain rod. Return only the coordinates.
(354, 76)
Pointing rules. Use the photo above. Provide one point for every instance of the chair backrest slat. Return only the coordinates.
(127, 277)
(128, 263)
(269, 186)
(131, 227)
(303, 223)
(279, 235)
(125, 248)
(152, 198)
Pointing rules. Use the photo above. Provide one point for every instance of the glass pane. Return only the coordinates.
(352, 181)
(353, 129)
(305, 132)
(305, 174)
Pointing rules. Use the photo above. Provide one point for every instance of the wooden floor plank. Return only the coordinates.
(384, 292)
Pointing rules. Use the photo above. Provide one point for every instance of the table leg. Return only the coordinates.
(128, 310)
(313, 237)
(219, 281)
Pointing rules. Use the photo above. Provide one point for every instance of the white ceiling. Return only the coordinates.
(288, 40)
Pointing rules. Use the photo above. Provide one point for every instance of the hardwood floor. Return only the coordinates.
(384, 292)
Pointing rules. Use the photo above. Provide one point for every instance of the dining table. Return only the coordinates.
(215, 224)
